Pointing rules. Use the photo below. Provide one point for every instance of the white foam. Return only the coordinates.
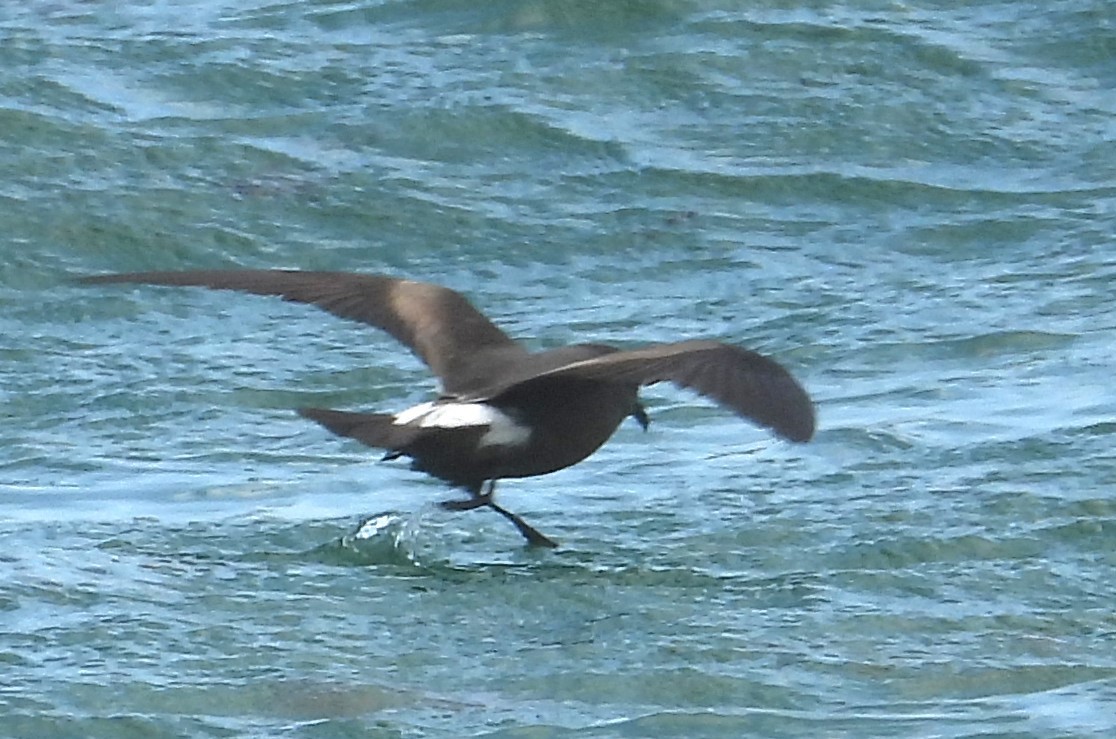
(502, 428)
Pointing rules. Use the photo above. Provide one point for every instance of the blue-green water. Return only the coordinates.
(910, 205)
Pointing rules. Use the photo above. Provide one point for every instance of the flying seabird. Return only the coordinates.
(503, 411)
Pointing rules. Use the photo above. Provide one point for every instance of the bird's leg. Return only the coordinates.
(533, 536)
(477, 497)
(482, 497)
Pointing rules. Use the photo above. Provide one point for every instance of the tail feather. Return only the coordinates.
(448, 453)
(374, 429)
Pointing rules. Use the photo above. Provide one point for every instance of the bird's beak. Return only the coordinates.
(640, 416)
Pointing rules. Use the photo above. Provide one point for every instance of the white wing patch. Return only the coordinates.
(502, 428)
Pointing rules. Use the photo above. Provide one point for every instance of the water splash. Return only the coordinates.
(386, 538)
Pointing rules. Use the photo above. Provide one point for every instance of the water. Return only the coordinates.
(911, 206)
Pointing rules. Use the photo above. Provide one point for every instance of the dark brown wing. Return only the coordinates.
(438, 324)
(743, 381)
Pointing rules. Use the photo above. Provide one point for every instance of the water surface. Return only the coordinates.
(909, 206)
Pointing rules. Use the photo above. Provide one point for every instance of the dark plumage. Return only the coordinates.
(504, 411)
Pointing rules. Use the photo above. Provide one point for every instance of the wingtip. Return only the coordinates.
(91, 279)
(801, 431)
(800, 423)
(312, 413)
(789, 411)
(121, 277)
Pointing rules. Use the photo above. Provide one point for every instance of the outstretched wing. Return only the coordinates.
(747, 383)
(437, 323)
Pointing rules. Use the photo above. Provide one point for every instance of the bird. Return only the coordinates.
(501, 410)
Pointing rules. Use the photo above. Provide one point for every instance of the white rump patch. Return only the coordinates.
(502, 429)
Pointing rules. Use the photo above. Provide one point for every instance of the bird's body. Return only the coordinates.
(467, 442)
(503, 411)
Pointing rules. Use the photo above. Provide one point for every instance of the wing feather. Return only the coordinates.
(440, 325)
(749, 384)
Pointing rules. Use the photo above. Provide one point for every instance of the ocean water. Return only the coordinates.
(910, 205)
